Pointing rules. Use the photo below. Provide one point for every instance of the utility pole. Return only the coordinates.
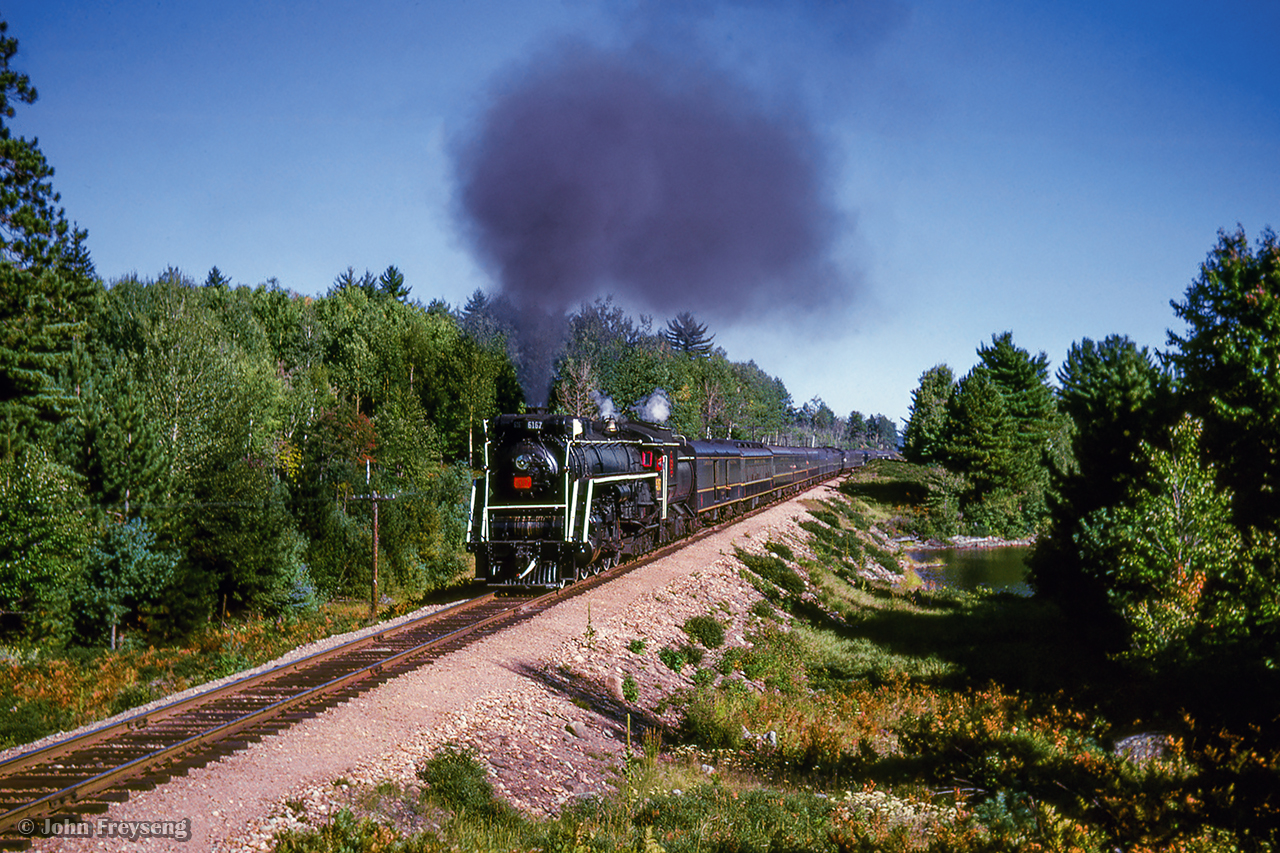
(374, 497)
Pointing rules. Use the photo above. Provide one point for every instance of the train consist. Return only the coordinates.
(565, 497)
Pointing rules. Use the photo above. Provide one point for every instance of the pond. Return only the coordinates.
(1000, 569)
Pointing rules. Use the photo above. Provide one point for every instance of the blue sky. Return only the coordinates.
(1055, 169)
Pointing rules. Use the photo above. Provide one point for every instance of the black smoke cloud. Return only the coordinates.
(659, 180)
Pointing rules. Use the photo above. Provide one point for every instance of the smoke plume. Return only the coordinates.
(662, 182)
(655, 408)
(604, 405)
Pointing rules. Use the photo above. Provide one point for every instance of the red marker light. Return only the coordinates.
(522, 482)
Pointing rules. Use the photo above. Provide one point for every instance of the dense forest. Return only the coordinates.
(1149, 478)
(173, 449)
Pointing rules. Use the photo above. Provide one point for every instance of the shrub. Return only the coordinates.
(781, 550)
(715, 818)
(457, 782)
(706, 630)
(774, 570)
(673, 658)
(763, 609)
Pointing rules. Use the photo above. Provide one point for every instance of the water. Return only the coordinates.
(1001, 569)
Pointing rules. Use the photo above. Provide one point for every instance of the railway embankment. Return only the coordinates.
(833, 707)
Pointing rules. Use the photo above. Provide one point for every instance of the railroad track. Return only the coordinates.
(85, 774)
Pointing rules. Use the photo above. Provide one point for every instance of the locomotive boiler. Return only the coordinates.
(563, 497)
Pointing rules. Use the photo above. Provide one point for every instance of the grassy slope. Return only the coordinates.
(894, 718)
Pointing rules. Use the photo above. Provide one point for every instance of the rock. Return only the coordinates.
(577, 728)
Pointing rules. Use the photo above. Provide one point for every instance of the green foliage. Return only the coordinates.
(686, 335)
(673, 659)
(711, 817)
(706, 630)
(41, 314)
(781, 549)
(1116, 399)
(927, 422)
(772, 569)
(1002, 434)
(637, 646)
(44, 537)
(124, 574)
(457, 782)
(630, 689)
(1228, 364)
(240, 537)
(1165, 547)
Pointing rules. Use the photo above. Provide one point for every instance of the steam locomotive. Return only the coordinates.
(565, 497)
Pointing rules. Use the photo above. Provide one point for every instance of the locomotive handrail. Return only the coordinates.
(591, 485)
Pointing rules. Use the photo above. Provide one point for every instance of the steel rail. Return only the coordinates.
(219, 730)
(176, 757)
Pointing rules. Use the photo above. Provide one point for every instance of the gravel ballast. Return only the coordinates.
(540, 704)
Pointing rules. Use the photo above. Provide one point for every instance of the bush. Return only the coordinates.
(458, 783)
(715, 818)
(706, 630)
(772, 569)
(673, 658)
(781, 550)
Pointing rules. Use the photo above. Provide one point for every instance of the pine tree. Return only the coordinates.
(391, 283)
(47, 281)
(922, 441)
(216, 279)
(687, 335)
(1229, 365)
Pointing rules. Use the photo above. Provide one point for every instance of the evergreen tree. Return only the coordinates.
(125, 573)
(979, 445)
(47, 282)
(215, 278)
(44, 534)
(1228, 363)
(886, 432)
(1116, 399)
(856, 429)
(1038, 432)
(391, 284)
(34, 232)
(926, 426)
(687, 335)
(124, 463)
(346, 279)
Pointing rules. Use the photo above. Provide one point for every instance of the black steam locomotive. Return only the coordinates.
(565, 497)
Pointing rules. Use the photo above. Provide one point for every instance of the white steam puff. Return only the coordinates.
(655, 408)
(604, 405)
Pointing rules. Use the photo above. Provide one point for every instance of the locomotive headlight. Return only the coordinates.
(523, 461)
